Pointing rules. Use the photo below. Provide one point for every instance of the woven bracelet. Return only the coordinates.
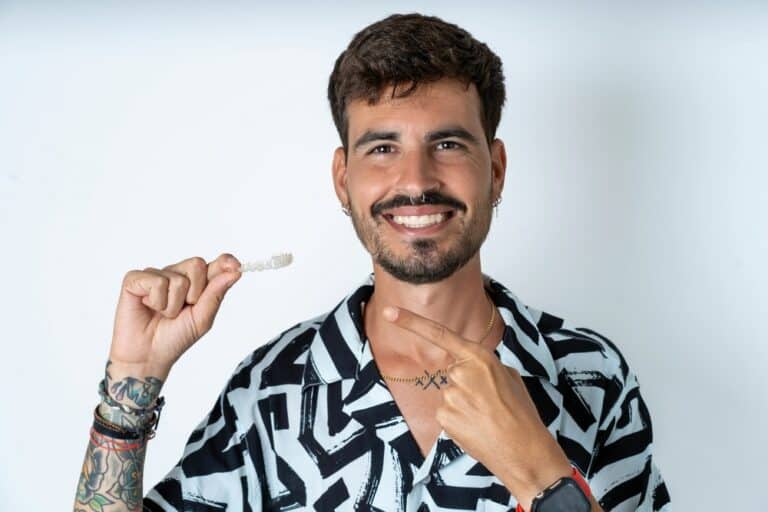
(109, 429)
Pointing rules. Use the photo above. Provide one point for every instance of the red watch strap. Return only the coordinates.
(576, 475)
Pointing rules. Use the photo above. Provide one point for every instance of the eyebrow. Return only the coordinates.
(370, 136)
(456, 132)
(445, 133)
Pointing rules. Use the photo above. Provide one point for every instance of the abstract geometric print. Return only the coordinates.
(306, 422)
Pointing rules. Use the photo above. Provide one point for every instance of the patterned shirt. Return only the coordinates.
(306, 422)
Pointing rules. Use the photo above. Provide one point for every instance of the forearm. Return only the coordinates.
(527, 482)
(112, 473)
(595, 505)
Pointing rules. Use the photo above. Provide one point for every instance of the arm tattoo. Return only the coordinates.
(111, 478)
(141, 392)
(112, 474)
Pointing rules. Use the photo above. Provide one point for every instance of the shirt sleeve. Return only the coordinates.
(213, 473)
(623, 475)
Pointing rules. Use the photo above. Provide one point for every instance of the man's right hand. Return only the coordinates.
(161, 313)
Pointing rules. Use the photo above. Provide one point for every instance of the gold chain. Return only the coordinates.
(444, 371)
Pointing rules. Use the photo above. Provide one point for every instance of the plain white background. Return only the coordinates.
(138, 134)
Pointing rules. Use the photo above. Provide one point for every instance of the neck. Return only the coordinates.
(459, 303)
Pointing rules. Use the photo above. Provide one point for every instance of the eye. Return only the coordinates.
(449, 144)
(382, 149)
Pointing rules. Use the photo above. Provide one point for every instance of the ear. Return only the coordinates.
(339, 172)
(498, 167)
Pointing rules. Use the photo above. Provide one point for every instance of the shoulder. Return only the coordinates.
(576, 347)
(585, 358)
(289, 348)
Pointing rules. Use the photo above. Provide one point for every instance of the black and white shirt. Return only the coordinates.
(306, 422)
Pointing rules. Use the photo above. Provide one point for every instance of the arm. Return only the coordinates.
(595, 506)
(112, 473)
(111, 477)
(160, 314)
(623, 469)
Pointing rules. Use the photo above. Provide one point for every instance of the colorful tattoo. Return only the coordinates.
(141, 392)
(111, 475)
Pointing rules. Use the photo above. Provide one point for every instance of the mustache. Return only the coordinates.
(422, 199)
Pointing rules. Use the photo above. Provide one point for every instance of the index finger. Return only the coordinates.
(224, 263)
(200, 273)
(434, 332)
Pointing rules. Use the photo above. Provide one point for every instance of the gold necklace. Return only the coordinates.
(430, 377)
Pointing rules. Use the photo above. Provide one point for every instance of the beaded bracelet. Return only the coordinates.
(127, 409)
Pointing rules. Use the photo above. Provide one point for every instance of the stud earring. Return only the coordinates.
(346, 210)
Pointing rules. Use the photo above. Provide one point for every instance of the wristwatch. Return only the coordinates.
(568, 494)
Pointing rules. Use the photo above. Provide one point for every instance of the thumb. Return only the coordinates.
(207, 306)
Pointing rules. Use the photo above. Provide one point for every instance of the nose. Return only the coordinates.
(416, 174)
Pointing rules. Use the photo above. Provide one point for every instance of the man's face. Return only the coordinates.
(420, 179)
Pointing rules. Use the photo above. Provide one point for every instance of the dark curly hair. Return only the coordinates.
(404, 50)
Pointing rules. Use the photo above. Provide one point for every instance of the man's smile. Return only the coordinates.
(419, 220)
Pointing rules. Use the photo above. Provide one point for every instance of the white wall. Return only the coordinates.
(138, 134)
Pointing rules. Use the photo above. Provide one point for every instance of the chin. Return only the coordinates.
(423, 268)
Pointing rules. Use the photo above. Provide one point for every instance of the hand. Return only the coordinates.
(487, 411)
(161, 313)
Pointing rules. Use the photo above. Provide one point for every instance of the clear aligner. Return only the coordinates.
(276, 261)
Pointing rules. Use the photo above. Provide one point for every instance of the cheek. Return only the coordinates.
(364, 191)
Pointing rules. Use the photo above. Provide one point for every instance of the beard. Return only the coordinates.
(424, 261)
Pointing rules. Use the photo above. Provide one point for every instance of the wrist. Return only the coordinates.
(119, 371)
(564, 491)
(130, 405)
(119, 417)
(121, 422)
(133, 387)
(528, 486)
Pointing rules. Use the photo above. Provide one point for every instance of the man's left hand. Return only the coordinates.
(488, 412)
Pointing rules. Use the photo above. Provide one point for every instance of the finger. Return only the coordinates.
(149, 287)
(170, 284)
(178, 286)
(224, 263)
(459, 374)
(196, 271)
(455, 398)
(431, 331)
(207, 306)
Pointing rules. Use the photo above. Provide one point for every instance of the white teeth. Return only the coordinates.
(419, 221)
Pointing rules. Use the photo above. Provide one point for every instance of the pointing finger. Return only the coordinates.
(430, 330)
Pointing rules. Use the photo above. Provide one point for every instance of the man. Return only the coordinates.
(429, 387)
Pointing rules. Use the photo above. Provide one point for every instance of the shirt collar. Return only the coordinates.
(340, 347)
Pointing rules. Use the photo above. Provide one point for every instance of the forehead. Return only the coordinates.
(444, 102)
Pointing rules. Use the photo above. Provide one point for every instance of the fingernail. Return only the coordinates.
(390, 313)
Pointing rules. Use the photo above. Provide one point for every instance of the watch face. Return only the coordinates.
(566, 496)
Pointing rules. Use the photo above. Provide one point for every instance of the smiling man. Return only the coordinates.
(431, 386)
